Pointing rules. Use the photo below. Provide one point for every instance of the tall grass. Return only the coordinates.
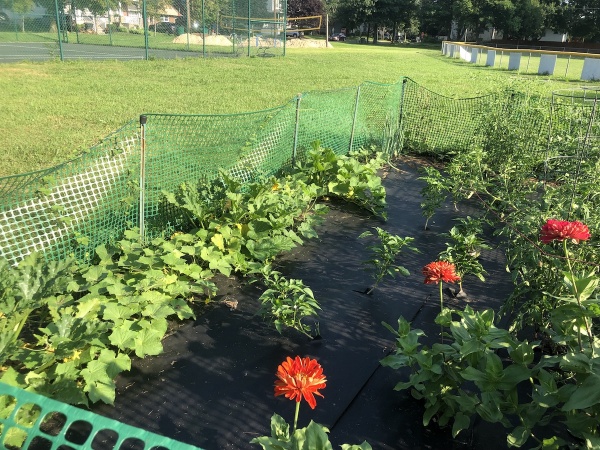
(52, 111)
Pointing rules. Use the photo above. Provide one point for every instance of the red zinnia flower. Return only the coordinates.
(300, 378)
(559, 230)
(440, 271)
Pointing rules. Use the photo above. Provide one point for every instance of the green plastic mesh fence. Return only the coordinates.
(66, 210)
(574, 134)
(70, 209)
(435, 124)
(31, 421)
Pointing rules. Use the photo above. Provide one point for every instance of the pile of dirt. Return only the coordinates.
(307, 43)
(290, 43)
(196, 39)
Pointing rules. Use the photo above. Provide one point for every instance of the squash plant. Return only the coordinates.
(68, 329)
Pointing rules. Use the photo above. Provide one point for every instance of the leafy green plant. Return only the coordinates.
(313, 436)
(464, 249)
(434, 192)
(286, 302)
(384, 253)
(24, 289)
(353, 177)
(485, 371)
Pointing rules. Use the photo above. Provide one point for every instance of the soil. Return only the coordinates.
(213, 385)
(196, 39)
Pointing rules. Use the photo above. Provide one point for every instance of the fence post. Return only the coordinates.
(249, 29)
(354, 118)
(142, 212)
(145, 19)
(203, 32)
(110, 41)
(298, 100)
(401, 117)
(567, 69)
(60, 49)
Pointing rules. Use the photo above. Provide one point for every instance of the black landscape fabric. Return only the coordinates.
(213, 385)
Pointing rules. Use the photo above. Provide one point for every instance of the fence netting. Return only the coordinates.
(107, 29)
(70, 209)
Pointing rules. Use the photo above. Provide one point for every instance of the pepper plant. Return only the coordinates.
(384, 253)
(464, 249)
(286, 302)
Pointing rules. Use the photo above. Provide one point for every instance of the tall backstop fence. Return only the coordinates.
(107, 29)
(70, 209)
(570, 65)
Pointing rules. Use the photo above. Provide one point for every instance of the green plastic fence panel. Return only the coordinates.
(70, 209)
(574, 135)
(31, 421)
(434, 123)
(326, 117)
(195, 148)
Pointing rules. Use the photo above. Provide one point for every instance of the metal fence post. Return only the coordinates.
(142, 212)
(354, 118)
(401, 116)
(298, 100)
(145, 19)
(60, 49)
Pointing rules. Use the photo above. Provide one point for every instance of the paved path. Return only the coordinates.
(43, 51)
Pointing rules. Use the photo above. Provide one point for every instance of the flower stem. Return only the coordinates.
(578, 298)
(296, 416)
(441, 309)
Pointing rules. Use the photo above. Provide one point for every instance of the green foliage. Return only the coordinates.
(23, 290)
(469, 377)
(312, 437)
(286, 302)
(434, 192)
(465, 247)
(384, 254)
(353, 178)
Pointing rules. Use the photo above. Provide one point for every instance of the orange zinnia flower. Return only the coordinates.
(440, 271)
(300, 377)
(559, 230)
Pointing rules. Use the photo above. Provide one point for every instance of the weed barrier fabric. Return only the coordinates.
(213, 385)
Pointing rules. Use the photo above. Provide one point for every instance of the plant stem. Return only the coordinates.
(296, 416)
(441, 310)
(578, 298)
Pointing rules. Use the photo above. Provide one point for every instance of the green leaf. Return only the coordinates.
(364, 446)
(461, 422)
(219, 242)
(518, 436)
(586, 395)
(123, 337)
(101, 391)
(148, 342)
(313, 437)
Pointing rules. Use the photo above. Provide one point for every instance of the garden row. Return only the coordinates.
(68, 329)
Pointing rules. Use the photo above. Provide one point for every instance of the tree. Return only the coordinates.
(435, 17)
(304, 8)
(353, 13)
(21, 7)
(579, 18)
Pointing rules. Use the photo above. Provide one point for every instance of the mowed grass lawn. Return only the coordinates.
(52, 111)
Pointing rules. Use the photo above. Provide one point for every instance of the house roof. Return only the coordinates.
(170, 11)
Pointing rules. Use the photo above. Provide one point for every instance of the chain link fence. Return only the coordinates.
(139, 29)
(72, 208)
